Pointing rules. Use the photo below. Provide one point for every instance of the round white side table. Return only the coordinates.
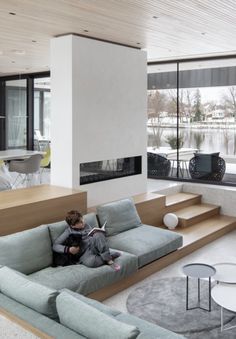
(225, 272)
(225, 296)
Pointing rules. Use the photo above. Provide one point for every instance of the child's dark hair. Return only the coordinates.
(73, 217)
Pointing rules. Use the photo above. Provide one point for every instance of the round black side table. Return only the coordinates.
(199, 271)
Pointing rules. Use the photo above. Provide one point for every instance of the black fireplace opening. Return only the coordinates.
(95, 171)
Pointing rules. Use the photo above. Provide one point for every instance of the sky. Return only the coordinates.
(212, 93)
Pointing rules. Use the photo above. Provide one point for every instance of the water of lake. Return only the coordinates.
(206, 140)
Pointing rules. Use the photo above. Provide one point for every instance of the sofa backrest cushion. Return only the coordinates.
(90, 322)
(28, 251)
(57, 228)
(120, 216)
(17, 286)
(94, 303)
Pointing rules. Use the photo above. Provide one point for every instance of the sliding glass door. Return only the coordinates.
(24, 109)
(16, 114)
(42, 113)
(162, 121)
(195, 103)
(209, 89)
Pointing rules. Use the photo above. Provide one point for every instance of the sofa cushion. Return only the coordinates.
(27, 251)
(83, 279)
(40, 321)
(120, 216)
(148, 243)
(94, 303)
(18, 287)
(88, 321)
(148, 330)
(57, 228)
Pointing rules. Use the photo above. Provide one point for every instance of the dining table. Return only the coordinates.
(11, 154)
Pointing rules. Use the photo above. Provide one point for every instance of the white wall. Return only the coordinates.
(98, 112)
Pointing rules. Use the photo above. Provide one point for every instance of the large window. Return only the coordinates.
(204, 93)
(42, 112)
(24, 110)
(16, 113)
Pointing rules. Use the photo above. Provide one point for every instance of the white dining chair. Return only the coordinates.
(26, 169)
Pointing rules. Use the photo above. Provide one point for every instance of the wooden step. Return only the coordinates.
(206, 231)
(181, 200)
(196, 213)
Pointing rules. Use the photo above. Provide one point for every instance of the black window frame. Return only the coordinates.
(29, 77)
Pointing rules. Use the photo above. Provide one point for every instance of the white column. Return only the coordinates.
(99, 93)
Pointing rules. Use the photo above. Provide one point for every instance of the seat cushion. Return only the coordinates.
(119, 216)
(90, 322)
(83, 279)
(36, 296)
(27, 251)
(148, 243)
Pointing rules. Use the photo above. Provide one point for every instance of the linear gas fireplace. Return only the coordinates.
(109, 169)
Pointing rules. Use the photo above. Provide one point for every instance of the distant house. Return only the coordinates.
(218, 114)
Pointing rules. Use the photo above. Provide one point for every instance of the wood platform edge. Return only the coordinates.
(24, 324)
(159, 264)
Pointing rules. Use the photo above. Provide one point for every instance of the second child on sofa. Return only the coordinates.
(93, 250)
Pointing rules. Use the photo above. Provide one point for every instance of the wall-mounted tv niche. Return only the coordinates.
(95, 171)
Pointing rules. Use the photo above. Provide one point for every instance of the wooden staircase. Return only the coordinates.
(199, 223)
(193, 214)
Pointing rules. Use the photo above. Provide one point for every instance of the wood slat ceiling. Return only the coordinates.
(165, 28)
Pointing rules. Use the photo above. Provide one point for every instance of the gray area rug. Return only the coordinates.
(163, 302)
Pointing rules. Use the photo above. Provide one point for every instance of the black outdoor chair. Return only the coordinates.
(209, 167)
(158, 166)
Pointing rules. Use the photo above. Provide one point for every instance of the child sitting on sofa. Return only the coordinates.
(93, 251)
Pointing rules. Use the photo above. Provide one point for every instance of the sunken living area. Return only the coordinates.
(126, 112)
(135, 228)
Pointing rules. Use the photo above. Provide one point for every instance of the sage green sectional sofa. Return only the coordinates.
(29, 254)
(68, 315)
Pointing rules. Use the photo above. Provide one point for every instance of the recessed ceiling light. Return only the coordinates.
(155, 17)
(203, 33)
(18, 51)
(12, 13)
(33, 40)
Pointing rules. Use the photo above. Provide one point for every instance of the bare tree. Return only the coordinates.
(190, 103)
(230, 105)
(232, 95)
(173, 103)
(156, 104)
